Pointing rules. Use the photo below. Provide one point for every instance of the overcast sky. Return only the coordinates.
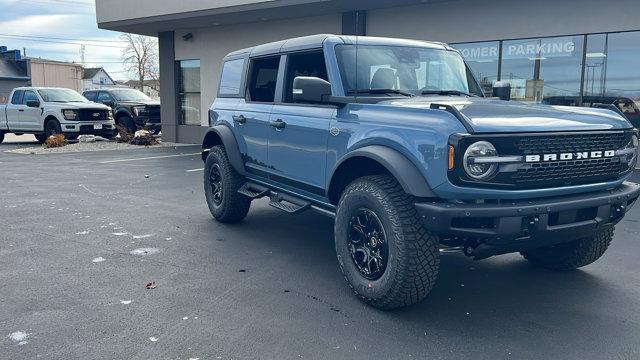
(44, 20)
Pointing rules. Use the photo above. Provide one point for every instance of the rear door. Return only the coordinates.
(299, 132)
(14, 110)
(31, 117)
(251, 120)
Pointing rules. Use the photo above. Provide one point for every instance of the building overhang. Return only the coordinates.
(149, 17)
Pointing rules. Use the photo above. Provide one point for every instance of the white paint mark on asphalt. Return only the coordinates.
(153, 339)
(142, 236)
(86, 188)
(126, 302)
(120, 233)
(169, 238)
(195, 170)
(98, 259)
(146, 158)
(19, 337)
(83, 232)
(194, 358)
(185, 318)
(144, 251)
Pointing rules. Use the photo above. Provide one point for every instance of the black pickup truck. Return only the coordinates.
(131, 108)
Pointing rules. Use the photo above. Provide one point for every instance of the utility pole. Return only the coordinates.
(82, 51)
(24, 52)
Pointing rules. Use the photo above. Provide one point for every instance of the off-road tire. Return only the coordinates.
(128, 123)
(40, 138)
(413, 253)
(571, 255)
(1, 136)
(233, 206)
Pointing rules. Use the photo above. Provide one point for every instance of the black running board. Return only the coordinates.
(287, 203)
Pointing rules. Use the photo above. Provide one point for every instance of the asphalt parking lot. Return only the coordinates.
(82, 234)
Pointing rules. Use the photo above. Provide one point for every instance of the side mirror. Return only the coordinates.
(311, 89)
(33, 103)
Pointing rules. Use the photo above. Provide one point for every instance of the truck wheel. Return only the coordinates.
(128, 123)
(52, 128)
(41, 138)
(221, 184)
(1, 136)
(571, 255)
(386, 255)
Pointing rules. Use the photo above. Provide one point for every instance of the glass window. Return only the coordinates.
(189, 86)
(409, 69)
(264, 75)
(231, 77)
(543, 68)
(29, 96)
(61, 95)
(305, 64)
(90, 95)
(16, 99)
(623, 65)
(104, 96)
(483, 58)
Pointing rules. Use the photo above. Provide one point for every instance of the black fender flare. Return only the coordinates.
(407, 174)
(122, 112)
(221, 134)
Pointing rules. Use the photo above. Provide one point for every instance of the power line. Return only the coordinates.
(64, 39)
(60, 42)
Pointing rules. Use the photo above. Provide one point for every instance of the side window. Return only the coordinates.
(231, 78)
(103, 96)
(29, 96)
(264, 75)
(90, 95)
(306, 64)
(16, 99)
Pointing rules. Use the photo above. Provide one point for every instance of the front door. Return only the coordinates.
(299, 132)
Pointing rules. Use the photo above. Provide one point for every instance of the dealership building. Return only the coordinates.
(570, 52)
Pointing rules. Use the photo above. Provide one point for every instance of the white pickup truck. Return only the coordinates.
(48, 111)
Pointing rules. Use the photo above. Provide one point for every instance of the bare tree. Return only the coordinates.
(140, 58)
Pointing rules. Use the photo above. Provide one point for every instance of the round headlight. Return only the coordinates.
(473, 164)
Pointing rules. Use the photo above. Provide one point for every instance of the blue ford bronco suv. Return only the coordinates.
(394, 139)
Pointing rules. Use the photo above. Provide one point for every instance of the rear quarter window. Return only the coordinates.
(231, 78)
(91, 96)
(16, 99)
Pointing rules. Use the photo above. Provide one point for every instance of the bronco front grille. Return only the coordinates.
(550, 173)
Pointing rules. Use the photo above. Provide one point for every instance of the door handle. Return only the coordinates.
(279, 124)
(240, 119)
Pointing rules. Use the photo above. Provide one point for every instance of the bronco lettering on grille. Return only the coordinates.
(570, 156)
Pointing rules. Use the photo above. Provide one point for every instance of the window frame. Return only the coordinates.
(243, 78)
(98, 93)
(180, 93)
(20, 97)
(95, 98)
(277, 96)
(24, 96)
(285, 74)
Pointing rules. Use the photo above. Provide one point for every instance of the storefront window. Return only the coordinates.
(623, 65)
(189, 84)
(543, 68)
(482, 58)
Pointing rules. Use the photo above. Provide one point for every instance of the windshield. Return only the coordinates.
(129, 95)
(404, 70)
(61, 95)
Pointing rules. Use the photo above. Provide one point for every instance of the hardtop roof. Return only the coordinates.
(317, 41)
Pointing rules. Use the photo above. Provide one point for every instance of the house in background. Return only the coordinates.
(52, 73)
(96, 78)
(151, 88)
(14, 72)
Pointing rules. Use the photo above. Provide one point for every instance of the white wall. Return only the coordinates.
(211, 45)
(474, 20)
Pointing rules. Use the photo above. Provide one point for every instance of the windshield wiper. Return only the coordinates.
(447, 92)
(380, 91)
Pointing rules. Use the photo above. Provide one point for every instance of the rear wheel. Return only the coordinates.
(1, 136)
(386, 255)
(221, 184)
(571, 255)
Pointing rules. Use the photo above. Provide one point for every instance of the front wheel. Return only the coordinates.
(52, 128)
(41, 138)
(571, 255)
(1, 136)
(221, 184)
(386, 255)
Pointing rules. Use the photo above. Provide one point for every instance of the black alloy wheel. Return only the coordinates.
(368, 244)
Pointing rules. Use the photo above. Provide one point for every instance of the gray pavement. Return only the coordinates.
(268, 288)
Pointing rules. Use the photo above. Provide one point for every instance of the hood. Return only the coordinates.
(489, 116)
(140, 102)
(83, 105)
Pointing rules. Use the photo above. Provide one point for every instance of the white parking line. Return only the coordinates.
(146, 158)
(194, 170)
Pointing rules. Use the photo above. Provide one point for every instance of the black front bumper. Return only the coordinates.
(510, 226)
